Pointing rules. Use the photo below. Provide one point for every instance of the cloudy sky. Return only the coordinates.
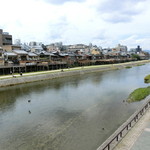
(102, 22)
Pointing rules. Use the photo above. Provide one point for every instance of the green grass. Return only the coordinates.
(140, 64)
(139, 94)
(147, 79)
(128, 67)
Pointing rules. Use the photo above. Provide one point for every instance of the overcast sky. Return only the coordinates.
(102, 22)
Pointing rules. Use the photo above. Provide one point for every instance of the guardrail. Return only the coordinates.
(114, 139)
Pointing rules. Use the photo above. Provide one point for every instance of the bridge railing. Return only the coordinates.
(114, 139)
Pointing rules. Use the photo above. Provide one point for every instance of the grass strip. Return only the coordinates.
(139, 94)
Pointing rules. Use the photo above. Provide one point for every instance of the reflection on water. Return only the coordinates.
(73, 113)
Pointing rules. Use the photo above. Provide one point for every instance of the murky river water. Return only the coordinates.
(67, 113)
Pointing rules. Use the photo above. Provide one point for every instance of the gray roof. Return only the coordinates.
(32, 54)
(21, 52)
(10, 54)
(46, 53)
(63, 54)
(52, 54)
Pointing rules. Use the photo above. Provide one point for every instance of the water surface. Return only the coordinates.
(68, 113)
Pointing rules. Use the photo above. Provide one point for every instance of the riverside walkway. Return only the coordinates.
(138, 138)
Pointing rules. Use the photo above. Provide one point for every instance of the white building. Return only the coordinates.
(121, 48)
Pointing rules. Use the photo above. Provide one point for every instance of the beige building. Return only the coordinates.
(11, 47)
(95, 52)
(1, 56)
(5, 38)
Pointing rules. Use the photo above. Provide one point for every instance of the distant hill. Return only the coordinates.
(147, 51)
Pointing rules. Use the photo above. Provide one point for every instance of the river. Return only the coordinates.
(71, 113)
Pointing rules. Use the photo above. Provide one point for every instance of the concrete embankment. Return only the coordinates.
(41, 77)
(125, 128)
(67, 72)
(138, 137)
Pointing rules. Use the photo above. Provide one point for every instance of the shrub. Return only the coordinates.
(147, 79)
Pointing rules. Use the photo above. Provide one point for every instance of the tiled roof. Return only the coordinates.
(10, 54)
(32, 54)
(20, 52)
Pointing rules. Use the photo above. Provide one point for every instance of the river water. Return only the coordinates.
(72, 113)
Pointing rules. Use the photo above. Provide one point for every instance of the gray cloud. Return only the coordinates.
(117, 5)
(59, 2)
(118, 18)
(119, 11)
(57, 29)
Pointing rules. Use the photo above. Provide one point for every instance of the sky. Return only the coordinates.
(104, 23)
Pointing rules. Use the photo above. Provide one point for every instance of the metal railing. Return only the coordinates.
(114, 139)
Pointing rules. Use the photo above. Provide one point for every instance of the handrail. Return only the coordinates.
(112, 141)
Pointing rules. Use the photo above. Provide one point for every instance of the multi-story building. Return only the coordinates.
(5, 38)
(1, 57)
(36, 47)
(58, 46)
(136, 50)
(33, 43)
(121, 48)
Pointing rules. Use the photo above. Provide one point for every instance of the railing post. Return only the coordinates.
(127, 127)
(135, 119)
(117, 138)
(121, 134)
(108, 147)
(141, 112)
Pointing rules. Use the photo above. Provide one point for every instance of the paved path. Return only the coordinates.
(55, 71)
(138, 138)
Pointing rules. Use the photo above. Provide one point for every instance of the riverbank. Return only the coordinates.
(119, 139)
(134, 140)
(10, 80)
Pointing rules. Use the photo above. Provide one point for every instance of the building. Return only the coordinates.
(77, 47)
(138, 49)
(58, 46)
(33, 43)
(5, 38)
(36, 47)
(17, 42)
(1, 57)
(11, 47)
(121, 48)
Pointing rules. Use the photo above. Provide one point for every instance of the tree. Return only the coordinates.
(136, 56)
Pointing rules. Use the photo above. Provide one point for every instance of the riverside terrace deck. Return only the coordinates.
(43, 65)
(31, 67)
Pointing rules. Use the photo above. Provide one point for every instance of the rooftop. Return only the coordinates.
(21, 52)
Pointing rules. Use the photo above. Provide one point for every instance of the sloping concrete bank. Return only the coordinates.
(41, 77)
(27, 79)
